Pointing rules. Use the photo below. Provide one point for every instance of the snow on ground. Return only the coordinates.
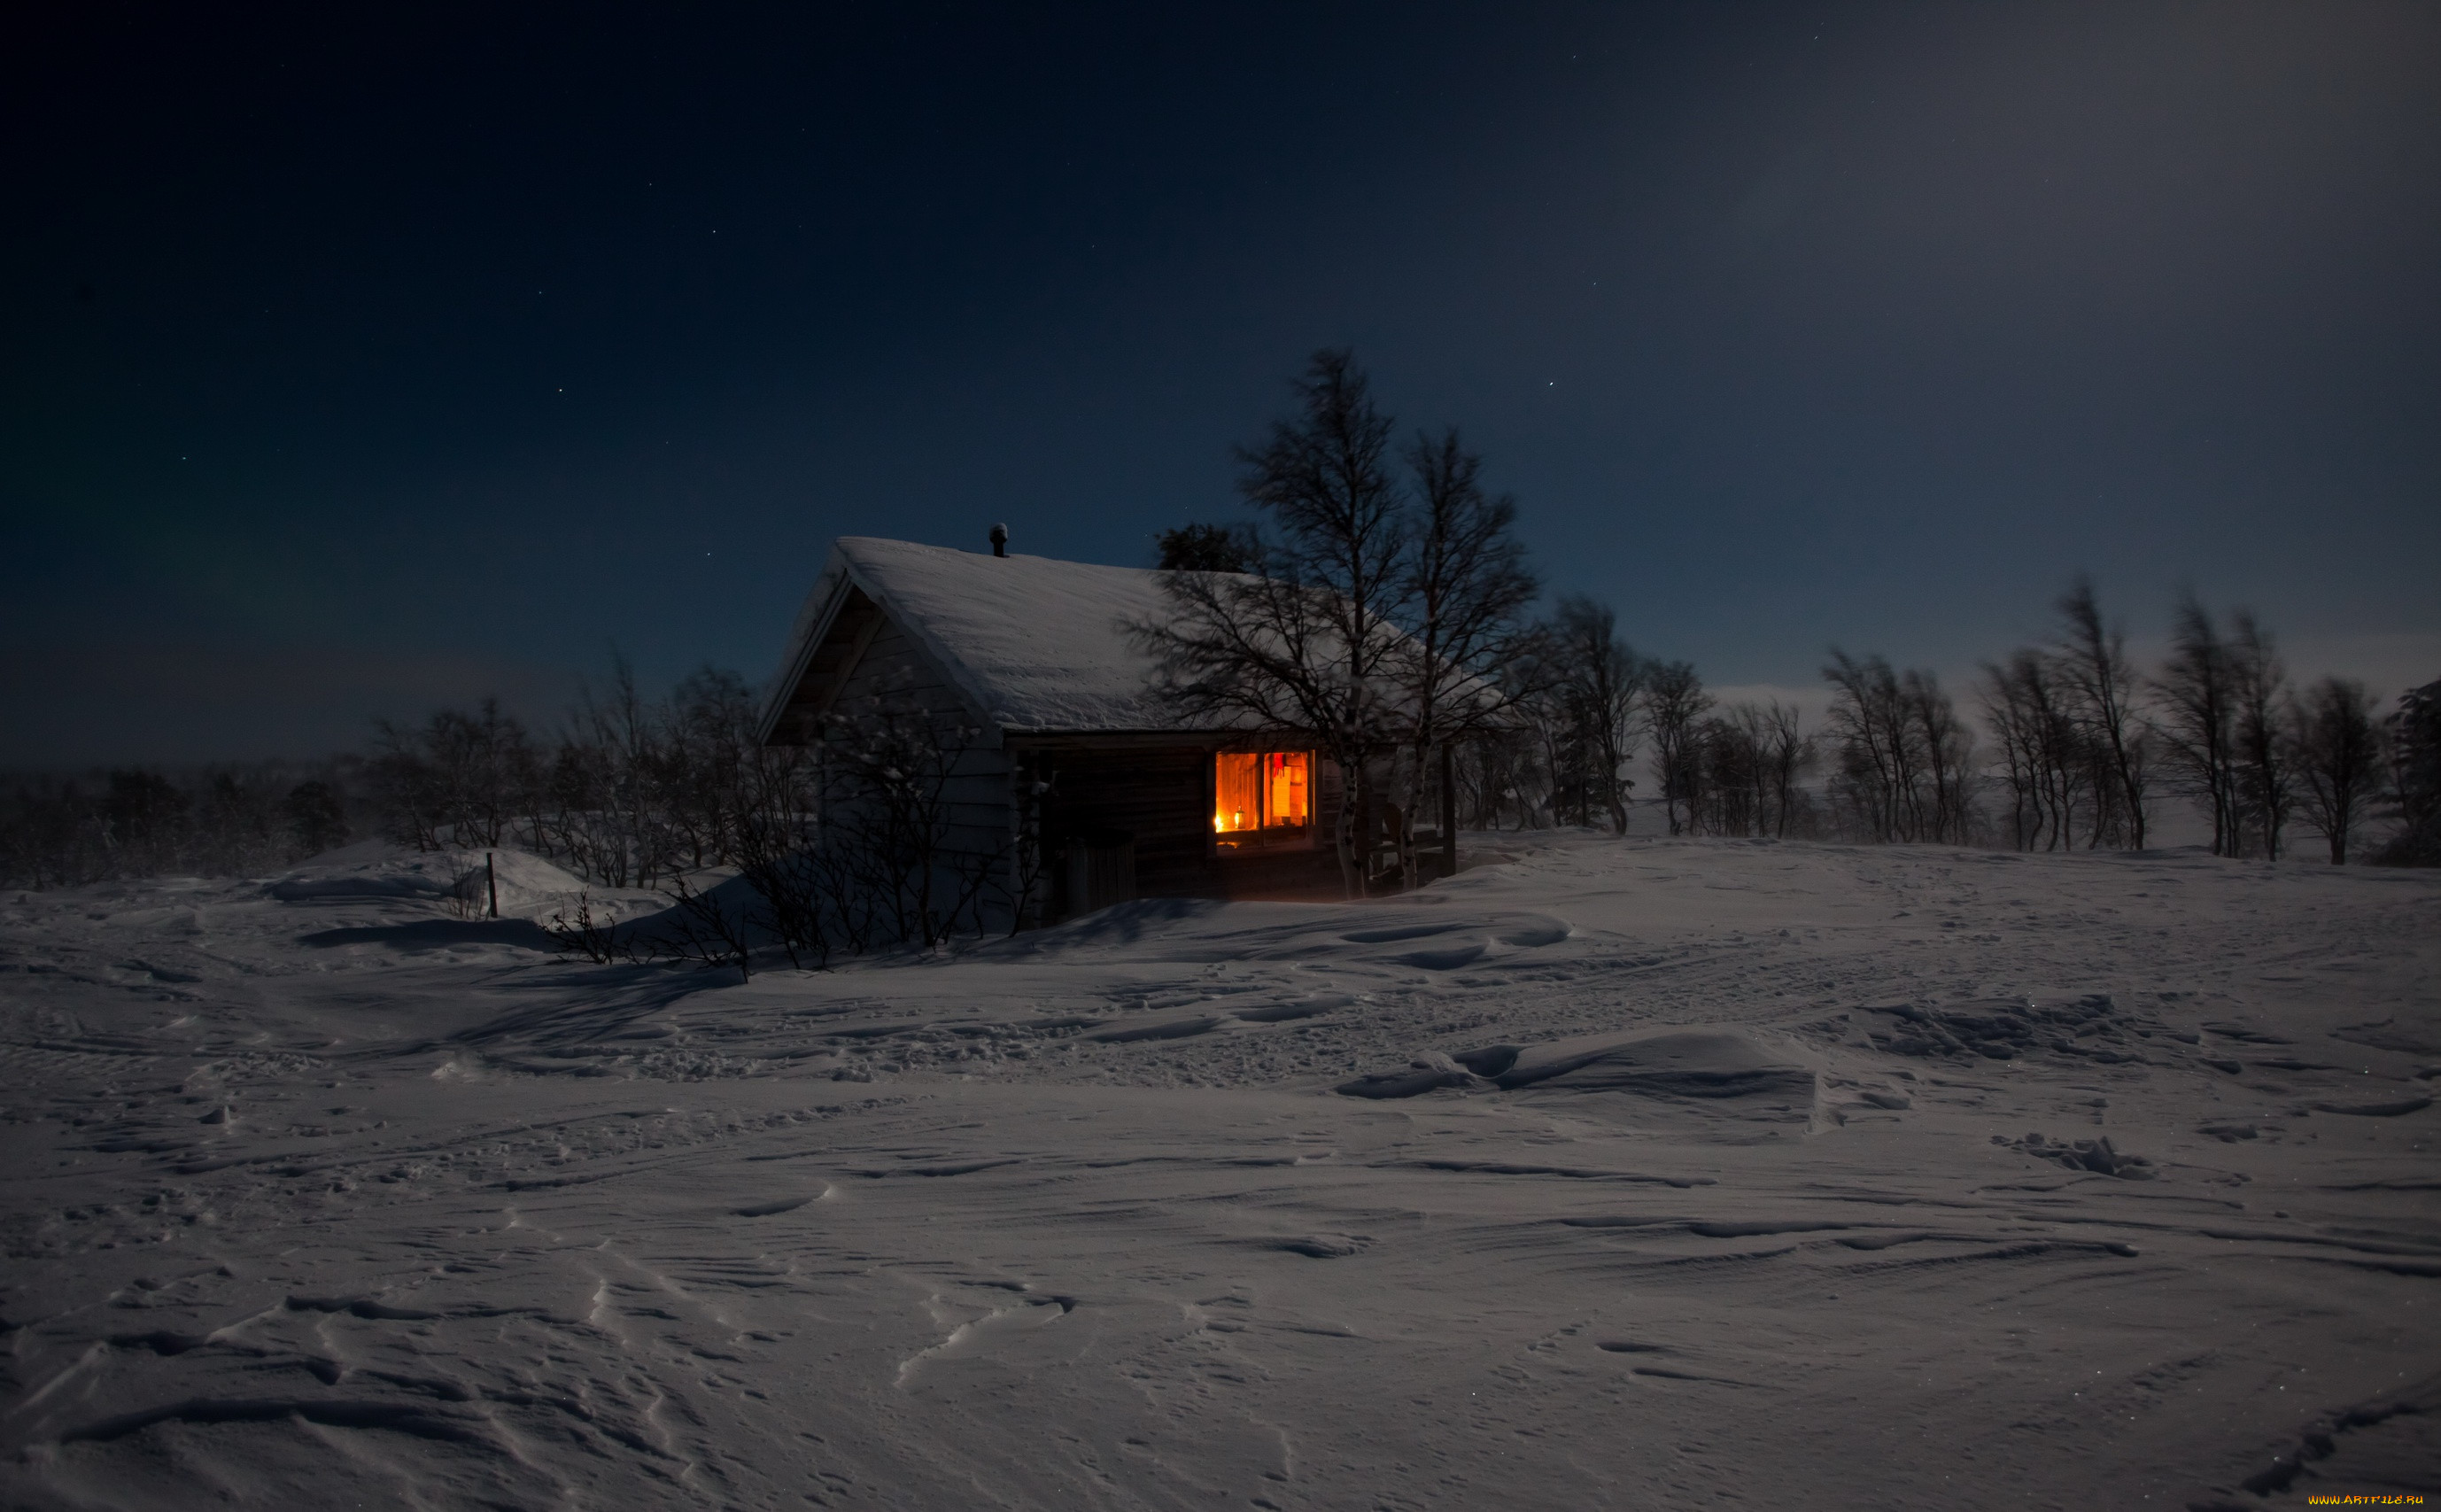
(1668, 1174)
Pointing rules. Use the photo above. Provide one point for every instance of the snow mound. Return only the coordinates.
(377, 871)
(371, 872)
(1677, 1062)
(2092, 1026)
(1714, 1063)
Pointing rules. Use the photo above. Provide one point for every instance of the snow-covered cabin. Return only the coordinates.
(1073, 756)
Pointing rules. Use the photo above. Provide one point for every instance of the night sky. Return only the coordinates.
(357, 362)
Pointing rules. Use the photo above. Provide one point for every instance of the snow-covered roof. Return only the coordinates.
(1035, 644)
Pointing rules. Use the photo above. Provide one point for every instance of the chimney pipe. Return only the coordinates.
(1000, 540)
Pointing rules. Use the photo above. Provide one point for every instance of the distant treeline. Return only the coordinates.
(632, 792)
(2067, 746)
(219, 821)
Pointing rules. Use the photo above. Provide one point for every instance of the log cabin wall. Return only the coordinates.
(1161, 797)
(894, 673)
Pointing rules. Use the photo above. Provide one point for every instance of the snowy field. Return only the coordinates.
(1700, 1174)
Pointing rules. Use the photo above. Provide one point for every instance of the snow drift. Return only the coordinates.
(1603, 1175)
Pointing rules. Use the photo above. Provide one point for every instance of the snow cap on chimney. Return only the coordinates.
(1000, 540)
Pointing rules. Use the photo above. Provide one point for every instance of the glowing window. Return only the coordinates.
(1268, 790)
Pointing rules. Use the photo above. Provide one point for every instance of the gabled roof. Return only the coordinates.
(1034, 645)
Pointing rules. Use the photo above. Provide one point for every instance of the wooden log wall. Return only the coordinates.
(895, 673)
(1161, 796)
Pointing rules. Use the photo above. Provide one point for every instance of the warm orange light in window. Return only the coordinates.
(1262, 790)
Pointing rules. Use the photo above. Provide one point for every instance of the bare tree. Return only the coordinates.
(1307, 642)
(2199, 697)
(1877, 763)
(1546, 764)
(235, 828)
(1947, 745)
(316, 816)
(1371, 618)
(1504, 774)
(2093, 660)
(2266, 786)
(2019, 723)
(1466, 589)
(2336, 752)
(2048, 753)
(701, 762)
(616, 741)
(1904, 754)
(1753, 759)
(703, 927)
(1727, 798)
(403, 786)
(778, 835)
(1674, 700)
(1787, 754)
(2412, 733)
(1599, 679)
(471, 774)
(1261, 653)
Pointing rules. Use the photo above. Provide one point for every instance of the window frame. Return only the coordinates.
(1263, 837)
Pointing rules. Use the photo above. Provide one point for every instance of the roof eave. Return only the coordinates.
(814, 617)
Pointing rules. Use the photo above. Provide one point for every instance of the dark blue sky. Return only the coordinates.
(355, 363)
